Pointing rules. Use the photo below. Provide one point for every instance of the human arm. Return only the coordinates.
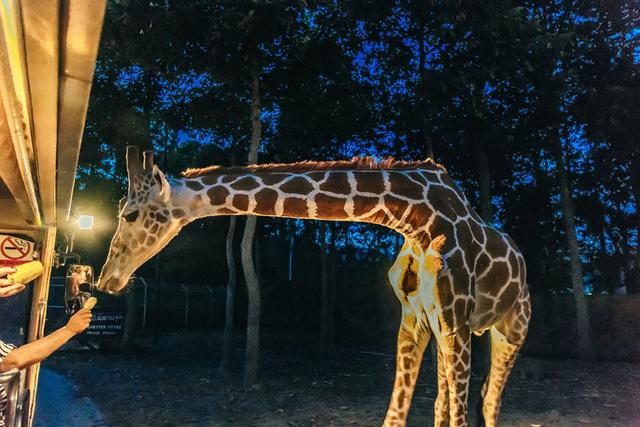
(36, 351)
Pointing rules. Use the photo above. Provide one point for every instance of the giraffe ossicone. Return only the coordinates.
(454, 275)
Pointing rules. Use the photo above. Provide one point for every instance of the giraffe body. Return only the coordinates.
(455, 275)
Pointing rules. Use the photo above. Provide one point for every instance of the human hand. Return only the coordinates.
(79, 321)
(7, 287)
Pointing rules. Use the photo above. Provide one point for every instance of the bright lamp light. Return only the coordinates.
(85, 222)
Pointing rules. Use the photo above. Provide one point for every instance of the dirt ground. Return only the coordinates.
(179, 384)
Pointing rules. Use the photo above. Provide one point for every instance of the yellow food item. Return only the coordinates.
(90, 303)
(27, 272)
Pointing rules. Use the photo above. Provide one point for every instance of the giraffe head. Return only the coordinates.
(145, 222)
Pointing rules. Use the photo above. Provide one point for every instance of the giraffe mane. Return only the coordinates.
(365, 163)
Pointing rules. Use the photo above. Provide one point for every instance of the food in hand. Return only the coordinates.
(27, 272)
(90, 303)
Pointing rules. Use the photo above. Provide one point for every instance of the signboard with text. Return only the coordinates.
(106, 324)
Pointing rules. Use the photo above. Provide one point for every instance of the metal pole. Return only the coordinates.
(144, 303)
(211, 299)
(291, 259)
(186, 304)
(156, 302)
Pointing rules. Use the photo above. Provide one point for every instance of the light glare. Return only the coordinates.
(85, 222)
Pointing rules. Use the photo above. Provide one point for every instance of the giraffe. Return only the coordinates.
(454, 275)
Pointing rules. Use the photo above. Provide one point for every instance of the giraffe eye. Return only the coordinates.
(131, 216)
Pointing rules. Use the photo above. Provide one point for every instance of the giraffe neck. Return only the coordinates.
(392, 198)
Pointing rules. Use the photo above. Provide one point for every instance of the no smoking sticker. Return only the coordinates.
(14, 249)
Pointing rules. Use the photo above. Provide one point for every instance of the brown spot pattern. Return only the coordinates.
(241, 202)
(396, 206)
(272, 178)
(418, 176)
(217, 195)
(508, 297)
(447, 201)
(409, 281)
(297, 186)
(496, 277)
(403, 186)
(332, 207)
(211, 179)
(362, 204)
(513, 263)
(369, 182)
(476, 230)
(483, 263)
(495, 246)
(266, 201)
(337, 182)
(295, 207)
(246, 183)
(194, 185)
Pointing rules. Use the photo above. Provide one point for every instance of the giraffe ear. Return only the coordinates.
(164, 188)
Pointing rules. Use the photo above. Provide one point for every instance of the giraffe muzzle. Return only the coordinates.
(111, 285)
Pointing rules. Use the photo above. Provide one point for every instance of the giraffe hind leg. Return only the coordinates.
(507, 338)
(479, 414)
(503, 356)
(457, 357)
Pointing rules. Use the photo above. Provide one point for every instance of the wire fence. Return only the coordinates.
(180, 305)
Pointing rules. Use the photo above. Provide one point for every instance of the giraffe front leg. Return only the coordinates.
(457, 357)
(441, 405)
(408, 360)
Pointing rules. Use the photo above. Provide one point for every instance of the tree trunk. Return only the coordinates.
(604, 258)
(625, 256)
(248, 267)
(344, 285)
(309, 273)
(635, 286)
(325, 340)
(227, 339)
(484, 181)
(481, 354)
(257, 255)
(585, 346)
(422, 92)
(333, 282)
(428, 141)
(326, 289)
